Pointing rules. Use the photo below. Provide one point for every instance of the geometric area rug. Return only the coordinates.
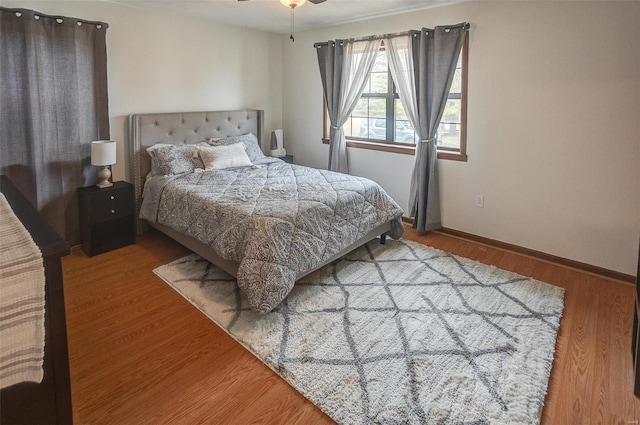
(397, 333)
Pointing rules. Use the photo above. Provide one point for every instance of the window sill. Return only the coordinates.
(406, 150)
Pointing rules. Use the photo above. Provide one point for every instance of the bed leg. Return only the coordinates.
(383, 238)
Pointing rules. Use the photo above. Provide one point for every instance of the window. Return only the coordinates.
(379, 121)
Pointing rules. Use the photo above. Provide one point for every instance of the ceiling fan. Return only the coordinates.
(292, 4)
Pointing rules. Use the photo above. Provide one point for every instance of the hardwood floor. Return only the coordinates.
(140, 354)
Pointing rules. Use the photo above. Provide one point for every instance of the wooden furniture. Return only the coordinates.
(287, 158)
(50, 401)
(635, 345)
(107, 219)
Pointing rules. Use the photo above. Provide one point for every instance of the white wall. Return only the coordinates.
(165, 63)
(553, 127)
(554, 107)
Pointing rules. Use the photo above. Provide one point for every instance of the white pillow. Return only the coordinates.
(221, 157)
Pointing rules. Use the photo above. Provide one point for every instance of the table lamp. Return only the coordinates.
(103, 154)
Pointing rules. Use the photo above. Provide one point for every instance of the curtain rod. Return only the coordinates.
(464, 25)
(44, 15)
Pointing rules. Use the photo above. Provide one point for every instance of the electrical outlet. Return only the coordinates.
(479, 201)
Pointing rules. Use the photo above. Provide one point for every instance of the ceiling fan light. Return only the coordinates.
(292, 3)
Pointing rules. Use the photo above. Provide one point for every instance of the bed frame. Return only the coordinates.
(192, 127)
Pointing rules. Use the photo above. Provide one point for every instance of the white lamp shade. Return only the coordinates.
(103, 152)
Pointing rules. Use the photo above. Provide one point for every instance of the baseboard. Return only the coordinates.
(612, 274)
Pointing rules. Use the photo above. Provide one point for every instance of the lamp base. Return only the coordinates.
(103, 177)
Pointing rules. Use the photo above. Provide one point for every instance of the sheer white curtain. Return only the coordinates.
(345, 66)
(400, 60)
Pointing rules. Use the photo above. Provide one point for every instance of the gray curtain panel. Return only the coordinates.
(435, 54)
(345, 66)
(330, 60)
(53, 103)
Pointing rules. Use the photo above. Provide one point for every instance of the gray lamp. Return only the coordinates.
(103, 154)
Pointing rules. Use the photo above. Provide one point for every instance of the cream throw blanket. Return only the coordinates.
(22, 287)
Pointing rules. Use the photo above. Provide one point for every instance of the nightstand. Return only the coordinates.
(286, 158)
(107, 217)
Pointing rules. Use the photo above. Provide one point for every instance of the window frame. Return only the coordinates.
(443, 152)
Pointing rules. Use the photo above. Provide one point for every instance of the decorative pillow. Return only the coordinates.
(226, 156)
(254, 152)
(152, 153)
(174, 159)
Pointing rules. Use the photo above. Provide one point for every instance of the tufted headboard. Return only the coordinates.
(183, 128)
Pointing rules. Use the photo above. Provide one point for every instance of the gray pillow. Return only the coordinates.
(177, 159)
(250, 141)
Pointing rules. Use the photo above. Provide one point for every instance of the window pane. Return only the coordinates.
(374, 128)
(378, 82)
(358, 117)
(404, 133)
(456, 85)
(449, 135)
(368, 119)
(377, 107)
(362, 108)
(403, 130)
(449, 129)
(452, 111)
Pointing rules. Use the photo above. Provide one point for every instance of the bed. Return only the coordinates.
(268, 225)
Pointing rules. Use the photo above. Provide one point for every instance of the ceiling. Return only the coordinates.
(272, 16)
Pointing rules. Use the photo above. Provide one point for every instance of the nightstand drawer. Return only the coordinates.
(115, 205)
(107, 217)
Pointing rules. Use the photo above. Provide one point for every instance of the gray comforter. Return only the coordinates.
(275, 219)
